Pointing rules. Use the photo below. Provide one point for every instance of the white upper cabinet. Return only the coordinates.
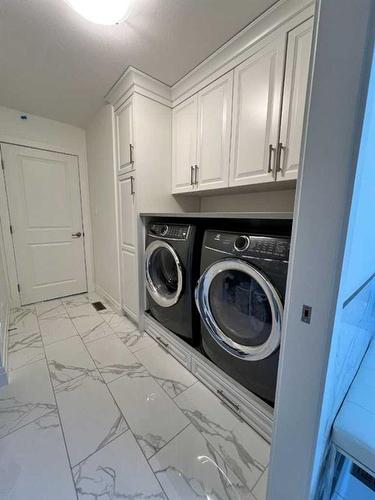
(184, 145)
(294, 99)
(124, 132)
(256, 112)
(214, 128)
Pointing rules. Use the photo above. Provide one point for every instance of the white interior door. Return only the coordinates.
(214, 119)
(45, 211)
(257, 92)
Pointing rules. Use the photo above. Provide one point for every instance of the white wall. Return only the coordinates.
(354, 322)
(100, 154)
(258, 201)
(40, 131)
(43, 133)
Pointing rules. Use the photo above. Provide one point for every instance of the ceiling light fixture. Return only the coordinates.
(102, 11)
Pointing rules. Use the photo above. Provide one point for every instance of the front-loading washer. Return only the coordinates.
(172, 258)
(240, 296)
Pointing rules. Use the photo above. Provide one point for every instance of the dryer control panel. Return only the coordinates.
(248, 245)
(169, 231)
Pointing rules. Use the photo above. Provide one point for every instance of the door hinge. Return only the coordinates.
(18, 288)
(11, 229)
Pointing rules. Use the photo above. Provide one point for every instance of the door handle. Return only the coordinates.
(77, 235)
(280, 148)
(132, 191)
(196, 168)
(192, 175)
(131, 150)
(271, 150)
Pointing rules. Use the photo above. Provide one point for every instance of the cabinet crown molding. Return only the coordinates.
(134, 80)
(285, 14)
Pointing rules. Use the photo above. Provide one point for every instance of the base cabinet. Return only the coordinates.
(240, 401)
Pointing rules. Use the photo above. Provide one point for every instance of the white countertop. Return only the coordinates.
(223, 215)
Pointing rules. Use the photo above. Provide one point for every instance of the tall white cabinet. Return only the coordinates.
(143, 136)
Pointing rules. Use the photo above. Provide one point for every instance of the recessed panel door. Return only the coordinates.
(214, 128)
(184, 145)
(294, 99)
(257, 92)
(44, 200)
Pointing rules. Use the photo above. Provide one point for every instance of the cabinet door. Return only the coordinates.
(129, 283)
(294, 99)
(127, 212)
(128, 245)
(124, 137)
(214, 128)
(256, 113)
(184, 146)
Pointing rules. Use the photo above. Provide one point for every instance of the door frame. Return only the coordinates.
(324, 190)
(10, 261)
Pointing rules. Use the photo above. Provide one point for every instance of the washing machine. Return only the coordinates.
(240, 296)
(172, 258)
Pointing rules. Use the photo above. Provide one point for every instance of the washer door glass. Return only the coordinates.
(163, 273)
(240, 309)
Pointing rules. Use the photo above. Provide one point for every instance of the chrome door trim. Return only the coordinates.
(248, 353)
(151, 288)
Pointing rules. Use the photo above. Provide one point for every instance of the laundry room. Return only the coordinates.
(187, 282)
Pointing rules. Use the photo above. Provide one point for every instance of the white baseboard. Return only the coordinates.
(108, 297)
(4, 353)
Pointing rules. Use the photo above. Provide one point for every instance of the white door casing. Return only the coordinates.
(294, 98)
(184, 145)
(214, 131)
(44, 198)
(258, 85)
(125, 137)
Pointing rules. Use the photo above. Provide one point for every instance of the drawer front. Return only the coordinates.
(249, 411)
(169, 344)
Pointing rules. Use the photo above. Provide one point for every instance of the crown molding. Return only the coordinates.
(134, 80)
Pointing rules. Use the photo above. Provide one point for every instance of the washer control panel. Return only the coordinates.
(248, 245)
(169, 231)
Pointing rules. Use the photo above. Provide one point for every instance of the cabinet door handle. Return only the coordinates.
(192, 175)
(271, 150)
(196, 168)
(161, 342)
(132, 191)
(131, 150)
(77, 235)
(227, 401)
(280, 148)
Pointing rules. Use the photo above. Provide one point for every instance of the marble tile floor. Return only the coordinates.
(97, 410)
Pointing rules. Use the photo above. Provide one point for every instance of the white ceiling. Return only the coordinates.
(55, 64)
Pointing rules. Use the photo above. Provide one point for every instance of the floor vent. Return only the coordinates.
(99, 306)
(363, 476)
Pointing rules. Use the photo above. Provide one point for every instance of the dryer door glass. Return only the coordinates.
(163, 273)
(240, 309)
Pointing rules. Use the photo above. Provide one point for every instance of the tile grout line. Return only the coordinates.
(58, 411)
(28, 423)
(123, 416)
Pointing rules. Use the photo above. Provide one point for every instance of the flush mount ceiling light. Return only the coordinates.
(102, 11)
